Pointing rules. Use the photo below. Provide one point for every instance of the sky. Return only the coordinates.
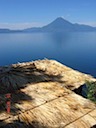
(19, 14)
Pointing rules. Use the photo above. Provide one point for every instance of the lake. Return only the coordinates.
(76, 50)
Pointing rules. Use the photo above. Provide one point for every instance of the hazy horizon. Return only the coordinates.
(21, 14)
(21, 26)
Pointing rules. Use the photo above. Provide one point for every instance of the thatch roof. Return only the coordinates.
(42, 96)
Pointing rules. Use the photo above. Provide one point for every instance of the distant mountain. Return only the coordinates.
(58, 25)
(5, 30)
(78, 27)
(61, 25)
(9, 31)
(34, 29)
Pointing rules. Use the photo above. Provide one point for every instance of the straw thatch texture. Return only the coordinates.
(42, 96)
(17, 76)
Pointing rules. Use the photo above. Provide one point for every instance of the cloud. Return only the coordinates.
(20, 25)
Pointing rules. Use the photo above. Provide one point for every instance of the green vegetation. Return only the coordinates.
(91, 91)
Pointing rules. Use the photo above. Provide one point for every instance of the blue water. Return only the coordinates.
(77, 50)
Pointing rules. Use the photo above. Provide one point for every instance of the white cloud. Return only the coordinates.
(20, 25)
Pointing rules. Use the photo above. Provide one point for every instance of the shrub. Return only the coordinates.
(91, 91)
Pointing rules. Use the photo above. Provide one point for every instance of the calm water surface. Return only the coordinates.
(77, 50)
